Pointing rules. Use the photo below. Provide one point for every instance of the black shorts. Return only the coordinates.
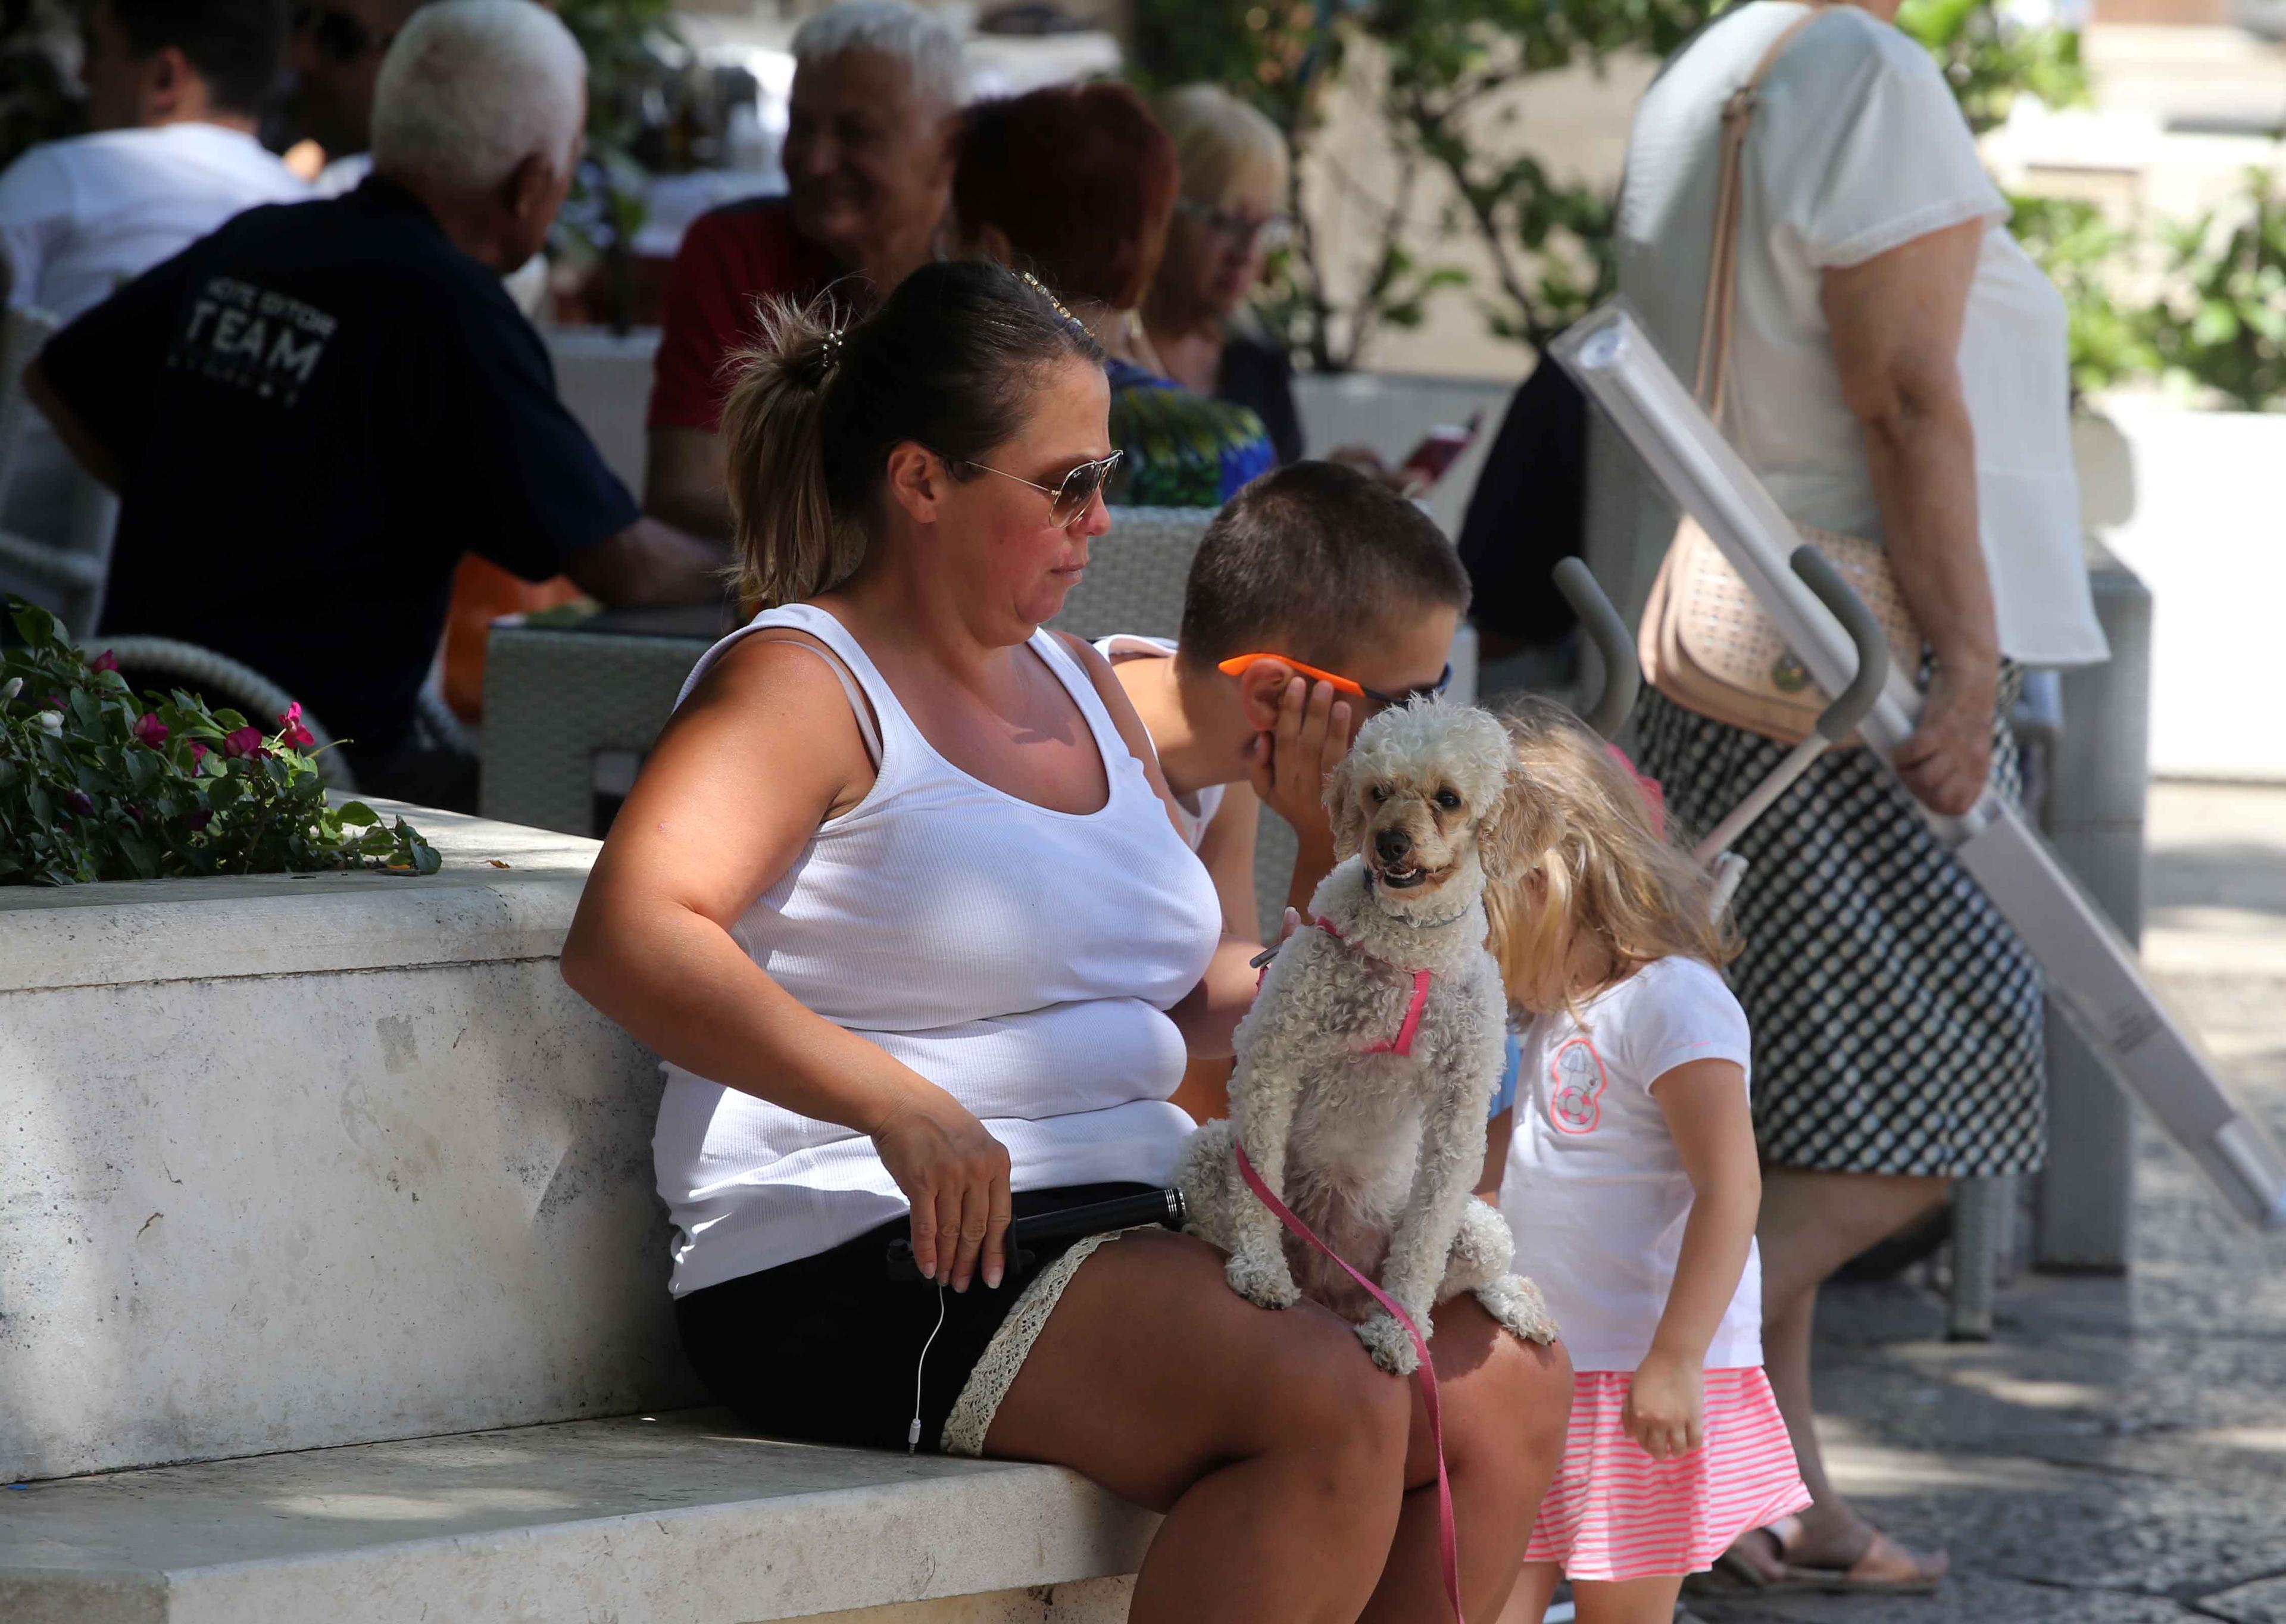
(824, 1349)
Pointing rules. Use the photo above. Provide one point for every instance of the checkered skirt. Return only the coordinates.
(1897, 1019)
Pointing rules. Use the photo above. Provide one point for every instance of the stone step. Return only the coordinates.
(674, 1518)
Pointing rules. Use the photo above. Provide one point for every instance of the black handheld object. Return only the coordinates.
(1161, 1207)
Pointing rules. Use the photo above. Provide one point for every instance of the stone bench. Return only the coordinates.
(299, 1165)
(675, 1518)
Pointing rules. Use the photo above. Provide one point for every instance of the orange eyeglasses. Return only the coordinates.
(1236, 665)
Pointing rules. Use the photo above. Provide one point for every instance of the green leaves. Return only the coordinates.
(95, 800)
(2222, 326)
(1989, 59)
(2219, 322)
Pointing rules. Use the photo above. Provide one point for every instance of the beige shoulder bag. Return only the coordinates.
(1706, 642)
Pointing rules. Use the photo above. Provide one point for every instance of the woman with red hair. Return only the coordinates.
(1075, 184)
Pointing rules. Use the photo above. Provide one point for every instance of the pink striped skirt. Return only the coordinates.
(1613, 1512)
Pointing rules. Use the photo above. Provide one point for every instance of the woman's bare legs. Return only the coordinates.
(1271, 1441)
(1812, 1224)
(1505, 1403)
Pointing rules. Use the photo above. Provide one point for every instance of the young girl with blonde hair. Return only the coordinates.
(1627, 1168)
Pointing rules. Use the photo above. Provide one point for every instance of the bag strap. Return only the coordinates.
(1723, 264)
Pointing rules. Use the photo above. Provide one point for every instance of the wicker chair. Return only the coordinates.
(1136, 573)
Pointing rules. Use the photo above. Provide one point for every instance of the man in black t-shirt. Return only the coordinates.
(313, 414)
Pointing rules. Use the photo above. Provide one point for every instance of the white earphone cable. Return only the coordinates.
(913, 1433)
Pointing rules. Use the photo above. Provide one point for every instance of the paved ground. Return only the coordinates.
(2117, 1453)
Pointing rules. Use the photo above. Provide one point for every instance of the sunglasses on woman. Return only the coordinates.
(338, 36)
(1069, 497)
(1236, 665)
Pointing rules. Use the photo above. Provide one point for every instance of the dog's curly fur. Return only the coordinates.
(1379, 1153)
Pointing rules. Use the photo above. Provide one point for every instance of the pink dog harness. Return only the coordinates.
(1402, 1043)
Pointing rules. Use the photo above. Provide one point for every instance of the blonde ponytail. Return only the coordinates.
(791, 545)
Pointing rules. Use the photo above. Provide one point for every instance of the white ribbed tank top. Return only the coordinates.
(1020, 957)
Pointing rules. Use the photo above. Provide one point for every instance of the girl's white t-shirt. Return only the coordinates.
(1595, 1189)
(1857, 147)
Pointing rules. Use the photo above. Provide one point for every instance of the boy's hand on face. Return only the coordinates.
(1287, 764)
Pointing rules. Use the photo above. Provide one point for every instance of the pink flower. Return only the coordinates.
(150, 729)
(80, 805)
(243, 742)
(105, 661)
(198, 752)
(291, 730)
(199, 819)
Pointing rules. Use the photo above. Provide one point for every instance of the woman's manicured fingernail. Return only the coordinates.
(992, 1277)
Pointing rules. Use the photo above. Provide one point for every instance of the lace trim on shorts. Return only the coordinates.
(995, 1372)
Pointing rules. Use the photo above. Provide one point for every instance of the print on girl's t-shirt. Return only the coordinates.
(1595, 1191)
(1575, 1104)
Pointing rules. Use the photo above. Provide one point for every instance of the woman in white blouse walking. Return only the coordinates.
(1897, 371)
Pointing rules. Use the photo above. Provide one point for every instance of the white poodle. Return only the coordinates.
(1360, 1091)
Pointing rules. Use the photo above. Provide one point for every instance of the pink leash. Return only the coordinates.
(1448, 1544)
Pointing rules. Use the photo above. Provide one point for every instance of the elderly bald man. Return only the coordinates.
(311, 414)
(877, 92)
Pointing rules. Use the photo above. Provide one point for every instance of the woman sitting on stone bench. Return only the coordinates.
(899, 900)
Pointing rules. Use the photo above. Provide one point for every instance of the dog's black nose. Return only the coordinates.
(1393, 845)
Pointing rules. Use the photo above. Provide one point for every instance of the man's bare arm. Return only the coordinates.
(684, 483)
(648, 565)
(91, 453)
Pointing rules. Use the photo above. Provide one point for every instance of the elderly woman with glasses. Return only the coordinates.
(1078, 183)
(1227, 222)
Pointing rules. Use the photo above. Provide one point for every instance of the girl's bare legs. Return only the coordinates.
(1271, 1441)
(1627, 1601)
(1811, 1225)
(1535, 1588)
(1505, 1403)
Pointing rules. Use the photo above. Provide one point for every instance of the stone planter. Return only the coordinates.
(297, 1162)
(2195, 513)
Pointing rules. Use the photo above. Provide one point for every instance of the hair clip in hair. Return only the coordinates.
(829, 348)
(1054, 303)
